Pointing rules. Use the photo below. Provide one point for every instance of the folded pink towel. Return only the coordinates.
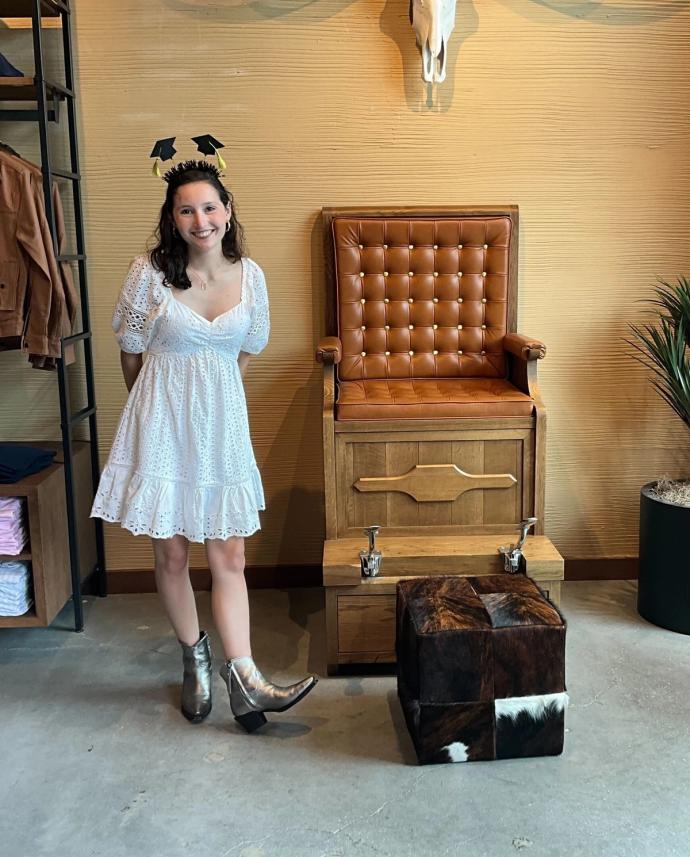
(13, 542)
(11, 509)
(13, 526)
(10, 503)
(13, 533)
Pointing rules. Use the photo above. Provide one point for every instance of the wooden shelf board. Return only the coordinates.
(348, 548)
(20, 89)
(23, 8)
(424, 555)
(17, 89)
(28, 620)
(28, 485)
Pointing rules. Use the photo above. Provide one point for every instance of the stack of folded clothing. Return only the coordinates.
(15, 588)
(13, 535)
(18, 460)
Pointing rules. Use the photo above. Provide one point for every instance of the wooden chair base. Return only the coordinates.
(360, 612)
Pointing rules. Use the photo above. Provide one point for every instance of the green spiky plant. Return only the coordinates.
(664, 348)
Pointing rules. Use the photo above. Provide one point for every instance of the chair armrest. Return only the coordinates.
(524, 347)
(330, 350)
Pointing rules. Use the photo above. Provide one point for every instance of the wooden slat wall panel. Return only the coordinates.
(575, 111)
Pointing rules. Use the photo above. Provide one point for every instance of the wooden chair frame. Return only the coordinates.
(522, 373)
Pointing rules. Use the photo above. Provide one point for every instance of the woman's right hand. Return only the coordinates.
(131, 366)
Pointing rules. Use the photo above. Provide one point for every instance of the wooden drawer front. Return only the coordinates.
(366, 624)
(480, 509)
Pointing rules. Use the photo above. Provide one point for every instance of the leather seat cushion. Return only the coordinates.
(430, 398)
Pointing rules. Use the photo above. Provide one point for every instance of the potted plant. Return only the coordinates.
(664, 568)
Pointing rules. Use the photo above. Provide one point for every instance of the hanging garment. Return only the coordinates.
(182, 458)
(5, 147)
(37, 296)
(62, 313)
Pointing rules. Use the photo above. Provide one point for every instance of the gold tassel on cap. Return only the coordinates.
(208, 145)
(164, 150)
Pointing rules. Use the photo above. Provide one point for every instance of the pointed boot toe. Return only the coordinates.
(251, 694)
(293, 693)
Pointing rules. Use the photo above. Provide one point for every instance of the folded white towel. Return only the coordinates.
(11, 569)
(15, 588)
(12, 606)
(16, 610)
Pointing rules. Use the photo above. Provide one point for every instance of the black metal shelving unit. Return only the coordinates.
(48, 96)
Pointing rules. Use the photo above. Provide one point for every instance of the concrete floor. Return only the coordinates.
(97, 760)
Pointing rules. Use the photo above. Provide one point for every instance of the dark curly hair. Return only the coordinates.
(170, 252)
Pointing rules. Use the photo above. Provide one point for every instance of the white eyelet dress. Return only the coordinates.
(182, 458)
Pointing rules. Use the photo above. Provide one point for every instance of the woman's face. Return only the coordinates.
(199, 215)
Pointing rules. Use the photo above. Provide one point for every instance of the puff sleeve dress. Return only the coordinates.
(182, 458)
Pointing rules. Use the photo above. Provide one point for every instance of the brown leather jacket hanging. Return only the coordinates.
(37, 296)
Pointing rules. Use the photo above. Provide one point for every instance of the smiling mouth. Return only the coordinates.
(203, 234)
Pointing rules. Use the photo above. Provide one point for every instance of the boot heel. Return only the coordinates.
(252, 721)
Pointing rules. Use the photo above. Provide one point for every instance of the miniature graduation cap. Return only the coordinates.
(164, 150)
(208, 145)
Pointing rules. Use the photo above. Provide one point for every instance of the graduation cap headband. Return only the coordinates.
(164, 150)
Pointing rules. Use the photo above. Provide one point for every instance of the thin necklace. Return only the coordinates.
(203, 285)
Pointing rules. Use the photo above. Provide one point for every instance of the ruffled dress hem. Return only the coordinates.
(161, 508)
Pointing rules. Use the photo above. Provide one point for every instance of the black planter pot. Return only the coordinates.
(664, 576)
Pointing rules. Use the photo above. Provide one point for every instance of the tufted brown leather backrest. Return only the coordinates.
(423, 296)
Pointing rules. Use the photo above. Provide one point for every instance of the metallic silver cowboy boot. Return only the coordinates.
(251, 694)
(196, 681)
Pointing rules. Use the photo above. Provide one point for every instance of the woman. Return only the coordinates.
(182, 468)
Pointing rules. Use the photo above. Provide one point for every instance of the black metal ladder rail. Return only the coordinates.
(68, 420)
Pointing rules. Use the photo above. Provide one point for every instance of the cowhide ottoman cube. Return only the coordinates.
(481, 668)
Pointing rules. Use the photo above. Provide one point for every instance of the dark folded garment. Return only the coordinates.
(19, 460)
(7, 69)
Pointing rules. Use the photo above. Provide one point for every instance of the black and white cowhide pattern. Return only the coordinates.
(530, 725)
(536, 707)
(481, 668)
(524, 726)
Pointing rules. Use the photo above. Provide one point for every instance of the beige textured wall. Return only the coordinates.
(576, 111)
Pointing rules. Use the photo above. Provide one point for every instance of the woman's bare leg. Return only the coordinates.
(229, 598)
(174, 587)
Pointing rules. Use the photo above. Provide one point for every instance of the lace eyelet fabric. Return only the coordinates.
(182, 460)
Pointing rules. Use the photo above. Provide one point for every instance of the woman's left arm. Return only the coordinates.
(256, 337)
(243, 361)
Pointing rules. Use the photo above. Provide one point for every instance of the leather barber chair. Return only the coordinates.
(433, 426)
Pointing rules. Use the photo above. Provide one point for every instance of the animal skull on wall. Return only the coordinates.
(433, 22)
